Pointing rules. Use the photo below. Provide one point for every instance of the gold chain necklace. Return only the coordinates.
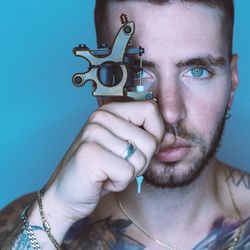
(169, 247)
(237, 210)
(158, 242)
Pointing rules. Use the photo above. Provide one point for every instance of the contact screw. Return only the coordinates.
(83, 46)
(124, 18)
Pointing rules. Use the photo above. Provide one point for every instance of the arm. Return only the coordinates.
(94, 166)
(12, 233)
(10, 223)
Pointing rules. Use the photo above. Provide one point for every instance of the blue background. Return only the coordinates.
(42, 112)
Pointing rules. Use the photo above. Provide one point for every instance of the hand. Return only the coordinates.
(93, 166)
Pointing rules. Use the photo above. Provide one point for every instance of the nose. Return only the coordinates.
(171, 102)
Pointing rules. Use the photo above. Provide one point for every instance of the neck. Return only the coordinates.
(180, 206)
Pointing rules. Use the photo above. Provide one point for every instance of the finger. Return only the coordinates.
(96, 133)
(145, 114)
(125, 130)
(107, 166)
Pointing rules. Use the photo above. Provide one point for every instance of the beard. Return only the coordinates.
(182, 173)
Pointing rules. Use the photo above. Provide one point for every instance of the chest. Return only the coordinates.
(121, 234)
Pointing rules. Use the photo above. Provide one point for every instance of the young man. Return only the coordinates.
(189, 199)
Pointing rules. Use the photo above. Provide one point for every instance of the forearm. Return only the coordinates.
(58, 223)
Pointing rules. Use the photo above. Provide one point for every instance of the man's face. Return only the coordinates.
(187, 67)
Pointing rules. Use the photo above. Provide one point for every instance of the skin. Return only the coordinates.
(182, 100)
(186, 217)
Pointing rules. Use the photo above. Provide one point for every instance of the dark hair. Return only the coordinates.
(227, 6)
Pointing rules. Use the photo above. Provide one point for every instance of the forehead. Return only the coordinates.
(180, 29)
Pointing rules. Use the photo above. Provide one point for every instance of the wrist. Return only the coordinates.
(55, 214)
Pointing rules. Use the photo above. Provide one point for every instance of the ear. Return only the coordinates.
(234, 78)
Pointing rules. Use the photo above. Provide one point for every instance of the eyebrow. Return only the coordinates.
(144, 62)
(203, 61)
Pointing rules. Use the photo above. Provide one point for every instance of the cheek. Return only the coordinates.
(206, 108)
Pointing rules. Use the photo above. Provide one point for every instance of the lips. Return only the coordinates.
(176, 152)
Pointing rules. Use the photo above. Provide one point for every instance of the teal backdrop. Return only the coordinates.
(42, 112)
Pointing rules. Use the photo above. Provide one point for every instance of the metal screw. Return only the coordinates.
(148, 96)
(83, 46)
(127, 30)
(78, 80)
(124, 18)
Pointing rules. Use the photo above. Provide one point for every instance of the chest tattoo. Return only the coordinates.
(222, 234)
(102, 235)
(112, 234)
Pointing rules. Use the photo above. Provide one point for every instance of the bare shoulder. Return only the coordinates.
(239, 183)
(10, 215)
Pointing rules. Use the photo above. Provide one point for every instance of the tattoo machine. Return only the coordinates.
(112, 69)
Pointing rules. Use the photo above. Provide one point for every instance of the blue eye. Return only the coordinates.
(198, 72)
(143, 74)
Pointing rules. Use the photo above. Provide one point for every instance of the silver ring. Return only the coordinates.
(129, 150)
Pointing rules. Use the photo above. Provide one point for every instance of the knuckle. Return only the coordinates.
(152, 107)
(93, 116)
(106, 108)
(98, 116)
(91, 130)
(129, 173)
